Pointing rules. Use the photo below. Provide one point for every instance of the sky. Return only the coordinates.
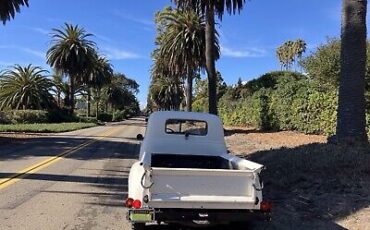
(125, 32)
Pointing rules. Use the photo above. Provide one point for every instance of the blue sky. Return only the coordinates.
(124, 31)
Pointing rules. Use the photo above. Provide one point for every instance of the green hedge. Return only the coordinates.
(40, 116)
(293, 104)
(105, 117)
(23, 116)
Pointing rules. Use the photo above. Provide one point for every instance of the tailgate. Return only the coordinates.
(203, 188)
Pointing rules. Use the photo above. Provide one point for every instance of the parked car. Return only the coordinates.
(185, 175)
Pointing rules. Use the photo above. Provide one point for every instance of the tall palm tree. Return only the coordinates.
(183, 44)
(351, 123)
(101, 75)
(166, 92)
(120, 91)
(72, 53)
(8, 8)
(60, 87)
(25, 88)
(211, 8)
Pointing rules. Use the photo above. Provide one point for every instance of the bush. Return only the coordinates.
(40, 116)
(4, 118)
(61, 115)
(23, 116)
(294, 103)
(87, 119)
(105, 117)
(119, 115)
(45, 128)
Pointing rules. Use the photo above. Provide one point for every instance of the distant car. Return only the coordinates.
(186, 176)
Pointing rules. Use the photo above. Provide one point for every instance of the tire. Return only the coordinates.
(137, 226)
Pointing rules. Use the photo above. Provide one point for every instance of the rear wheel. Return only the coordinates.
(137, 226)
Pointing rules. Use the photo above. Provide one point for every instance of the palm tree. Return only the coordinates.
(166, 92)
(211, 8)
(71, 53)
(25, 88)
(351, 123)
(121, 91)
(60, 87)
(183, 45)
(8, 9)
(101, 75)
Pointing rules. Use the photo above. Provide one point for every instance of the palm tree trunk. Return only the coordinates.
(351, 121)
(71, 100)
(59, 98)
(88, 101)
(210, 60)
(97, 102)
(189, 93)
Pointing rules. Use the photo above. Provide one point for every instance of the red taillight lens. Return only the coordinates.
(136, 204)
(129, 202)
(266, 206)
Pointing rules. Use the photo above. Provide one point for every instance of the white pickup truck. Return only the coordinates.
(185, 175)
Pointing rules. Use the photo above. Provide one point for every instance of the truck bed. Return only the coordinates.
(201, 182)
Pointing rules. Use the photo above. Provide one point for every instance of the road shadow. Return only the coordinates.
(52, 146)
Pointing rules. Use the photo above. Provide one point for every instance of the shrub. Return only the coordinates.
(88, 119)
(61, 115)
(23, 116)
(5, 118)
(120, 115)
(105, 117)
(295, 103)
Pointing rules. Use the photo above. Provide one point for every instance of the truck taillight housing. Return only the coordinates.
(266, 206)
(129, 203)
(136, 204)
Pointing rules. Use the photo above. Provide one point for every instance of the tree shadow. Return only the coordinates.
(314, 185)
(52, 145)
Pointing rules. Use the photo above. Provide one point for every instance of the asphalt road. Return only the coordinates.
(75, 180)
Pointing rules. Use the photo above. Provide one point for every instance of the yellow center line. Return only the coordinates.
(43, 164)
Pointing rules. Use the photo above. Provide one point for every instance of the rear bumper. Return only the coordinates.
(212, 216)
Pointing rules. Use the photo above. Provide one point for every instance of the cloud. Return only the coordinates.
(146, 23)
(37, 53)
(242, 53)
(102, 37)
(114, 53)
(40, 30)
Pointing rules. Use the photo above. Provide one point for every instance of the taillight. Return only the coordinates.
(136, 204)
(129, 203)
(266, 206)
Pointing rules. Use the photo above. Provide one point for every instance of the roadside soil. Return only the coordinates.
(312, 184)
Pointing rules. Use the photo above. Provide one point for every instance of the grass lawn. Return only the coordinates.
(45, 128)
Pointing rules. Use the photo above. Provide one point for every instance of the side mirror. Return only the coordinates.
(139, 137)
(146, 119)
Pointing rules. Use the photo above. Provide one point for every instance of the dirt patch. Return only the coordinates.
(245, 140)
(313, 185)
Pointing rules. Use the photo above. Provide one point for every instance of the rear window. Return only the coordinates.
(190, 127)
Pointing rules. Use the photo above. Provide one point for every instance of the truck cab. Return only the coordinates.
(185, 175)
